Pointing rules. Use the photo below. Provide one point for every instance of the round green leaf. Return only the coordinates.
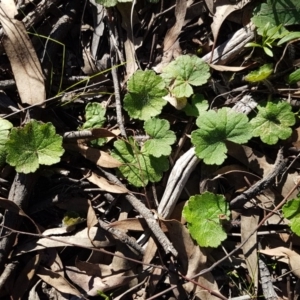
(273, 121)
(94, 115)
(33, 145)
(183, 73)
(139, 167)
(197, 106)
(161, 138)
(204, 214)
(144, 99)
(215, 129)
(291, 211)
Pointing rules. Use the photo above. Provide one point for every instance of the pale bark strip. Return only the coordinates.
(22, 56)
(230, 49)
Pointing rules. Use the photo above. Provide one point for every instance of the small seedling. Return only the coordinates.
(95, 118)
(198, 105)
(269, 36)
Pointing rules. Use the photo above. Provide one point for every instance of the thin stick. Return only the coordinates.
(115, 78)
(149, 218)
(262, 184)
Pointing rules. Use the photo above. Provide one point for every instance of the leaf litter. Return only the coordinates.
(86, 199)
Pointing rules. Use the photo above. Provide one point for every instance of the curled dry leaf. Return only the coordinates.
(57, 281)
(91, 219)
(227, 68)
(100, 158)
(221, 9)
(104, 184)
(22, 56)
(293, 257)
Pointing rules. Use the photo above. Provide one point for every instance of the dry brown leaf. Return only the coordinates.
(57, 265)
(293, 257)
(104, 184)
(57, 281)
(94, 269)
(25, 277)
(149, 252)
(178, 103)
(173, 33)
(11, 206)
(220, 10)
(22, 56)
(95, 133)
(227, 68)
(192, 260)
(249, 222)
(91, 219)
(100, 158)
(80, 238)
(134, 224)
(171, 45)
(92, 284)
(125, 10)
(102, 133)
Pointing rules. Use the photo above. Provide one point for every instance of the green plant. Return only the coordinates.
(33, 145)
(145, 95)
(183, 73)
(271, 19)
(111, 3)
(197, 105)
(269, 35)
(139, 167)
(273, 121)
(291, 212)
(161, 138)
(5, 127)
(205, 214)
(146, 161)
(260, 74)
(294, 77)
(217, 127)
(94, 118)
(72, 218)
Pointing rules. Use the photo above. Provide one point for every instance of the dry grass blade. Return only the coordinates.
(22, 56)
